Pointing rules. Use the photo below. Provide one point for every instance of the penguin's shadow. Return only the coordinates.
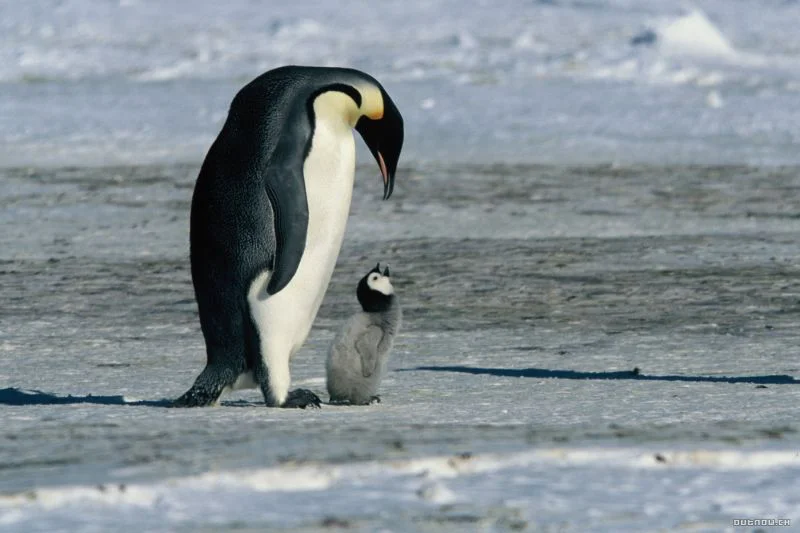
(636, 375)
(15, 396)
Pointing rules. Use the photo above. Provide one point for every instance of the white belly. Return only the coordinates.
(328, 173)
(284, 319)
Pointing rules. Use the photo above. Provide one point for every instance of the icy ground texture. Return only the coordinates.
(90, 82)
(606, 349)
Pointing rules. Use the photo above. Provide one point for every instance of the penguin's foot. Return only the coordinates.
(340, 402)
(207, 387)
(302, 398)
(196, 397)
(372, 400)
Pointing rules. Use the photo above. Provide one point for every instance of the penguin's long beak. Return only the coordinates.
(384, 138)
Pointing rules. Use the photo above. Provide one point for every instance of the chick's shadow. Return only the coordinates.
(635, 374)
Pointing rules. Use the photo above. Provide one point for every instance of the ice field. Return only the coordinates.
(593, 234)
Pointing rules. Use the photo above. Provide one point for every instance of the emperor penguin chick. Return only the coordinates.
(359, 353)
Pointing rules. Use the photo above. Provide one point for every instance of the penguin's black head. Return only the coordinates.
(383, 135)
(375, 292)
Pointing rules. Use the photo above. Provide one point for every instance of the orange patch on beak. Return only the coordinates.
(384, 171)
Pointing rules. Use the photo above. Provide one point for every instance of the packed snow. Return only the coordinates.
(593, 234)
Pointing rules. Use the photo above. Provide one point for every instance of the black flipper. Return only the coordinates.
(287, 193)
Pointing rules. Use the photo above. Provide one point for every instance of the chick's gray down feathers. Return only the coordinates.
(359, 354)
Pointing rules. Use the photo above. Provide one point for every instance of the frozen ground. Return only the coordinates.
(101, 82)
(513, 399)
(594, 233)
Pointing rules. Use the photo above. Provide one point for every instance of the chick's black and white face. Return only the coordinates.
(375, 291)
(380, 283)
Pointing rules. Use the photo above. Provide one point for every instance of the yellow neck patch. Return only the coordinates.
(334, 103)
(371, 101)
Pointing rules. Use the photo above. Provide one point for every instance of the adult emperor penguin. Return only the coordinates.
(268, 217)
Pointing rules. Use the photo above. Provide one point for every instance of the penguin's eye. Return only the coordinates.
(373, 277)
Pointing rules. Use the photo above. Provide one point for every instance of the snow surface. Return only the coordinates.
(594, 236)
(681, 485)
(613, 349)
(91, 82)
